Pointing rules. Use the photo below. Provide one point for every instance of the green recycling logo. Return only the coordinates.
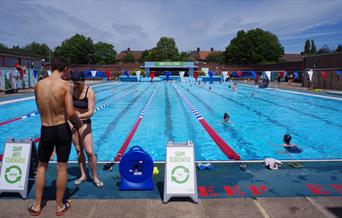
(180, 174)
(12, 174)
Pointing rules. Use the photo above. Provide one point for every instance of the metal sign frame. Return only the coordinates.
(167, 195)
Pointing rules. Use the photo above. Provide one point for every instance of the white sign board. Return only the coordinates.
(15, 167)
(180, 171)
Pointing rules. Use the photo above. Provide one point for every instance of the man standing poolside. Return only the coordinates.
(54, 102)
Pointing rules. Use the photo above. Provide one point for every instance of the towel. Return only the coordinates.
(272, 164)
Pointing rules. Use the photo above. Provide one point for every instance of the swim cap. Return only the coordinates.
(287, 138)
(77, 76)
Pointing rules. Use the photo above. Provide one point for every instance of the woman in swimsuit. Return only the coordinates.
(84, 103)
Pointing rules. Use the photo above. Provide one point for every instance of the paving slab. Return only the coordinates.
(14, 208)
(290, 207)
(177, 209)
(236, 207)
(121, 208)
(331, 204)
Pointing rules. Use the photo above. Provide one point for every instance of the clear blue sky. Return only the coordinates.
(139, 24)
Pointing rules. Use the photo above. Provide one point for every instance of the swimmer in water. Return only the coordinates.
(235, 87)
(226, 118)
(209, 88)
(253, 95)
(292, 148)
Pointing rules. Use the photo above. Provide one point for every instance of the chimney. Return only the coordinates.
(198, 49)
(128, 49)
(211, 49)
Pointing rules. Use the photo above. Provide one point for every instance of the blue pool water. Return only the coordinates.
(256, 122)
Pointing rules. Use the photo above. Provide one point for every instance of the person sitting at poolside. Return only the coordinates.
(84, 103)
(292, 148)
(226, 117)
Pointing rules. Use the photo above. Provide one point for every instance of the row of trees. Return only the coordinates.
(310, 48)
(33, 48)
(252, 47)
(165, 50)
(78, 49)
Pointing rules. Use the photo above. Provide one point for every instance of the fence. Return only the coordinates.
(10, 78)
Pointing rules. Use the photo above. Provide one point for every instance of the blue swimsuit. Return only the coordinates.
(293, 149)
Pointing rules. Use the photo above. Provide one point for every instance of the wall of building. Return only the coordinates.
(330, 63)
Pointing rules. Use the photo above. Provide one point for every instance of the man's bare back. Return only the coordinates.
(51, 96)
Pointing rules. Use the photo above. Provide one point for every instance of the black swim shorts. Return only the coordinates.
(51, 136)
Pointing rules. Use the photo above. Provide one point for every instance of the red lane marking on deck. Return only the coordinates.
(318, 189)
(205, 191)
(257, 190)
(233, 190)
(338, 188)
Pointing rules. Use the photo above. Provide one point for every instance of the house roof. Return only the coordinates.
(136, 54)
(202, 55)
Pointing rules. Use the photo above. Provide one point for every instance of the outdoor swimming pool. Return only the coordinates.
(256, 122)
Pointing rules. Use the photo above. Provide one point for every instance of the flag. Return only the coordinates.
(126, 73)
(196, 75)
(324, 75)
(339, 74)
(253, 74)
(35, 73)
(167, 75)
(295, 74)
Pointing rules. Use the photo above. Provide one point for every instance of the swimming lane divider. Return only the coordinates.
(131, 134)
(116, 99)
(225, 148)
(36, 113)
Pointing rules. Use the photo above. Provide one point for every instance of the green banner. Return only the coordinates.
(169, 64)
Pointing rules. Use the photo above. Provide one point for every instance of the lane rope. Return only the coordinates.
(115, 100)
(225, 148)
(36, 113)
(135, 127)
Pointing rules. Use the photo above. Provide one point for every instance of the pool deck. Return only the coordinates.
(299, 88)
(312, 191)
